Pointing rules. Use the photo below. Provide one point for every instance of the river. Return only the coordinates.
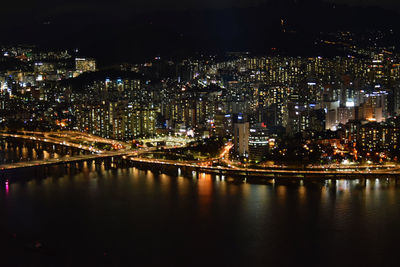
(105, 215)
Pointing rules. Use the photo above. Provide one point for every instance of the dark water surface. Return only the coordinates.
(95, 215)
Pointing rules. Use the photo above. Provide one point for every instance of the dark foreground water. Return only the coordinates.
(95, 215)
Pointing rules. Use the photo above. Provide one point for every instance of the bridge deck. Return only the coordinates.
(54, 161)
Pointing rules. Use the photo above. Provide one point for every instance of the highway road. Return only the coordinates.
(248, 171)
(204, 165)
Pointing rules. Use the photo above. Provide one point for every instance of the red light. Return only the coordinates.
(7, 188)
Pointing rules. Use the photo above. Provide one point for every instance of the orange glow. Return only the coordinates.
(205, 188)
(63, 123)
(226, 150)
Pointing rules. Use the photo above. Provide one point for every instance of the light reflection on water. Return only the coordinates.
(231, 220)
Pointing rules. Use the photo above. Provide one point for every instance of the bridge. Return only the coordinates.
(65, 139)
(56, 161)
(60, 139)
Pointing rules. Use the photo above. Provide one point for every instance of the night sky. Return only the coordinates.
(119, 30)
(380, 3)
(27, 11)
(55, 7)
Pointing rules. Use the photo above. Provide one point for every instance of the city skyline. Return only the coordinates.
(220, 133)
(270, 98)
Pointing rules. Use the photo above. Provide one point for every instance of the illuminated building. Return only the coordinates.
(373, 136)
(44, 67)
(241, 138)
(258, 142)
(85, 65)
